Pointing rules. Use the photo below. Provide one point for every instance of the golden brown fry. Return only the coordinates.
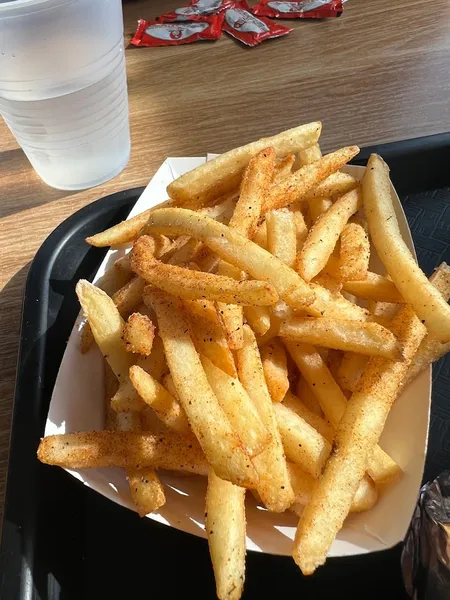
(125, 231)
(258, 317)
(350, 370)
(303, 181)
(223, 174)
(260, 236)
(356, 438)
(302, 443)
(354, 253)
(147, 491)
(155, 364)
(306, 395)
(282, 235)
(231, 316)
(128, 449)
(283, 168)
(274, 485)
(107, 326)
(163, 403)
(411, 282)
(333, 403)
(325, 233)
(138, 334)
(332, 187)
(221, 445)
(301, 230)
(354, 336)
(126, 399)
(128, 298)
(304, 484)
(186, 253)
(318, 206)
(225, 528)
(235, 249)
(306, 156)
(311, 417)
(194, 284)
(333, 305)
(273, 356)
(238, 407)
(255, 185)
(204, 309)
(210, 341)
(374, 287)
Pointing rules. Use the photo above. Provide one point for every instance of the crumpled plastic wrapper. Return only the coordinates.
(426, 554)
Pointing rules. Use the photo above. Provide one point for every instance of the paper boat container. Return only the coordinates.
(77, 405)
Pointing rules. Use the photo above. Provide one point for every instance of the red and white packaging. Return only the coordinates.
(248, 29)
(157, 33)
(198, 10)
(306, 9)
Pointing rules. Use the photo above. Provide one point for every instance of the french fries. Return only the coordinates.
(196, 284)
(354, 253)
(223, 174)
(221, 445)
(411, 282)
(355, 336)
(235, 347)
(138, 334)
(356, 438)
(235, 249)
(325, 233)
(225, 528)
(274, 485)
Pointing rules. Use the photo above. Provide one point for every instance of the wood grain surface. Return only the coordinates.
(379, 73)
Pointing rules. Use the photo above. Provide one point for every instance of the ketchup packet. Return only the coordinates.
(291, 9)
(156, 33)
(198, 10)
(248, 29)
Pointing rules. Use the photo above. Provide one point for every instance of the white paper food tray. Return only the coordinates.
(77, 405)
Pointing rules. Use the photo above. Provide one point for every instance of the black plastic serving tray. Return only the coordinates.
(63, 541)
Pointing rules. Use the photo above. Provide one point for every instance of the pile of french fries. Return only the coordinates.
(246, 340)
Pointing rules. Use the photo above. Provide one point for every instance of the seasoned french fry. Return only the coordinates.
(127, 449)
(282, 235)
(255, 185)
(333, 403)
(125, 231)
(306, 156)
(283, 168)
(238, 407)
(273, 356)
(325, 233)
(163, 403)
(318, 206)
(303, 485)
(301, 230)
(356, 438)
(307, 396)
(107, 326)
(194, 284)
(221, 445)
(374, 287)
(354, 253)
(274, 485)
(210, 341)
(126, 399)
(128, 298)
(260, 236)
(122, 269)
(333, 305)
(258, 317)
(186, 253)
(235, 249)
(138, 334)
(303, 181)
(231, 316)
(332, 187)
(155, 364)
(350, 370)
(302, 443)
(311, 417)
(147, 491)
(204, 309)
(411, 282)
(223, 174)
(225, 528)
(355, 336)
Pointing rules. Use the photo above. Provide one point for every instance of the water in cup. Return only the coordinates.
(63, 91)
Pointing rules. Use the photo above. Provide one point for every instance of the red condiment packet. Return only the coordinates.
(291, 9)
(248, 29)
(198, 10)
(156, 33)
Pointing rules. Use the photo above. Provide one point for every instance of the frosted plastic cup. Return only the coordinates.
(63, 90)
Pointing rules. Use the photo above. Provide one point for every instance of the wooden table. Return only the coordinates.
(377, 74)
